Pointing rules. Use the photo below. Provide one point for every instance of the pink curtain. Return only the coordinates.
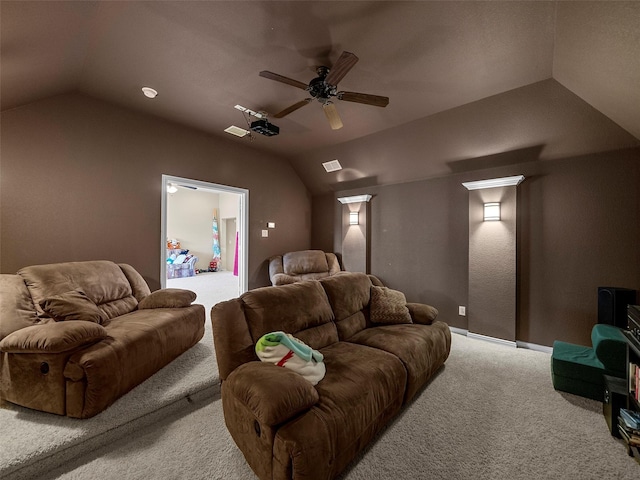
(235, 258)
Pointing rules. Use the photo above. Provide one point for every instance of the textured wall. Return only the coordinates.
(356, 245)
(492, 265)
(81, 180)
(578, 228)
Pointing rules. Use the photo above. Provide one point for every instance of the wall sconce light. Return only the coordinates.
(491, 211)
(353, 218)
(171, 188)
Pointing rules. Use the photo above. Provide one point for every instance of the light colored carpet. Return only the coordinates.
(491, 413)
(32, 442)
(211, 287)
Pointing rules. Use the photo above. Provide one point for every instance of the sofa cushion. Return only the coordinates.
(349, 295)
(300, 309)
(138, 345)
(388, 306)
(362, 389)
(73, 305)
(422, 349)
(306, 261)
(168, 298)
(53, 338)
(139, 286)
(102, 281)
(610, 346)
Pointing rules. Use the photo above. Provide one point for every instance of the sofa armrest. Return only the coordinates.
(274, 394)
(168, 298)
(421, 313)
(276, 267)
(283, 279)
(55, 337)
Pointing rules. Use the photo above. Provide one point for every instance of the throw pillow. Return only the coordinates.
(73, 305)
(388, 306)
(168, 298)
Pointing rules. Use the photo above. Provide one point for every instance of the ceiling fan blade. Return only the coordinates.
(375, 100)
(345, 63)
(332, 115)
(292, 108)
(280, 78)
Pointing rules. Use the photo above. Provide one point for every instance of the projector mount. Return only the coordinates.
(261, 125)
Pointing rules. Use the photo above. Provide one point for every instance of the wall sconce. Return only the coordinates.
(171, 188)
(491, 211)
(353, 218)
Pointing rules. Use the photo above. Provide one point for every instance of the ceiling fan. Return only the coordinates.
(325, 87)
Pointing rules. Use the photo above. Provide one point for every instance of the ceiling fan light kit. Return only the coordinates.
(332, 115)
(325, 87)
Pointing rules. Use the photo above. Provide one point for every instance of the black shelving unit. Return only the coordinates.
(633, 358)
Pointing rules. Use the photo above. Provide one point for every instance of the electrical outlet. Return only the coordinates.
(462, 311)
(271, 224)
(265, 233)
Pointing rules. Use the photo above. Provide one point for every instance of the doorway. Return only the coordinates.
(202, 221)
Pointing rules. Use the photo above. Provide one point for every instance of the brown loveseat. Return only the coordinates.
(285, 427)
(74, 337)
(302, 265)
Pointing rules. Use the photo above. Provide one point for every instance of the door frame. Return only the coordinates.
(242, 225)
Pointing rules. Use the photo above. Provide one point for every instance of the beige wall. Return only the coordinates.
(190, 221)
(82, 179)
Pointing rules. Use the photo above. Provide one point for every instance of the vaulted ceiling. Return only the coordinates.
(429, 58)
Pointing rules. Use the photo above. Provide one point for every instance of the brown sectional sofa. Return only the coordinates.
(75, 337)
(289, 429)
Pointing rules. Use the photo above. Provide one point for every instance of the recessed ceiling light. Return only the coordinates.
(149, 92)
(237, 131)
(332, 166)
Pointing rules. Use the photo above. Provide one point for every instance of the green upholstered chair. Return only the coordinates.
(579, 370)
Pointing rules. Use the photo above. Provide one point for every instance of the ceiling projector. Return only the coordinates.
(265, 128)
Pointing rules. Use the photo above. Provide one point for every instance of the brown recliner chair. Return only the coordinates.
(295, 267)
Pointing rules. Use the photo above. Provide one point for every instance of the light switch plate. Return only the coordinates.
(265, 233)
(462, 311)
(271, 224)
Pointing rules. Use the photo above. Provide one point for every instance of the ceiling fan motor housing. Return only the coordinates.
(320, 90)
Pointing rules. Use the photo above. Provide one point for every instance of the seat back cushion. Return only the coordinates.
(300, 309)
(16, 307)
(305, 261)
(102, 281)
(139, 287)
(349, 295)
(610, 346)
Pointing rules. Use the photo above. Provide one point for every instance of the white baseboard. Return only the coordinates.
(486, 338)
(459, 331)
(516, 344)
(535, 346)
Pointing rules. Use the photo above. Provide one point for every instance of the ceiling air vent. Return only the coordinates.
(237, 131)
(332, 166)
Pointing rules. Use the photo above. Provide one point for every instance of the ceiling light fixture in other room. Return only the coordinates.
(149, 92)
